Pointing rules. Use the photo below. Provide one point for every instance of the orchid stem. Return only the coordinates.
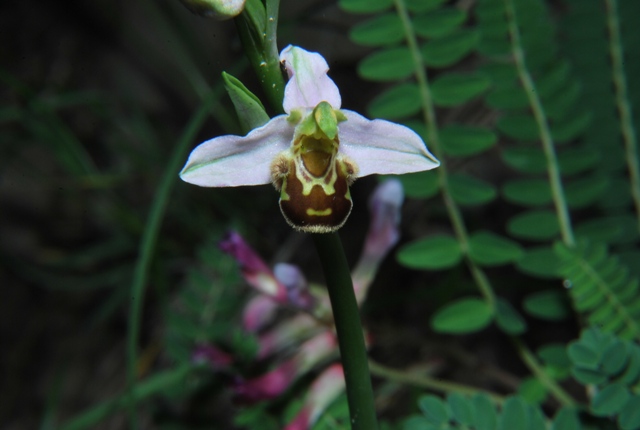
(349, 329)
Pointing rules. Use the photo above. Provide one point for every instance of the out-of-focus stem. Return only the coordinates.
(529, 86)
(622, 100)
(429, 113)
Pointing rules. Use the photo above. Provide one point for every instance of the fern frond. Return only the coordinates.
(601, 288)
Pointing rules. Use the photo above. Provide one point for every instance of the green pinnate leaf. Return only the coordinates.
(461, 140)
(566, 419)
(629, 418)
(570, 128)
(534, 225)
(379, 31)
(462, 316)
(435, 253)
(528, 192)
(485, 415)
(438, 23)
(614, 358)
(419, 6)
(555, 354)
(610, 400)
(365, 6)
(510, 96)
(525, 159)
(420, 185)
(514, 415)
(461, 408)
(399, 101)
(540, 262)
(454, 89)
(434, 409)
(520, 127)
(584, 356)
(489, 249)
(388, 64)
(548, 305)
(508, 319)
(532, 390)
(586, 191)
(470, 191)
(448, 50)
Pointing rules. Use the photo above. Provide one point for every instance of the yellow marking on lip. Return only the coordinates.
(324, 212)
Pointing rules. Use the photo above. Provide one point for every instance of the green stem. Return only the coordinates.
(157, 383)
(150, 237)
(349, 330)
(530, 360)
(257, 28)
(429, 383)
(553, 169)
(622, 100)
(431, 122)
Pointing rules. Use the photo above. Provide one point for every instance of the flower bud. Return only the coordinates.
(216, 9)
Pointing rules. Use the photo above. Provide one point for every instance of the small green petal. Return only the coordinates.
(326, 119)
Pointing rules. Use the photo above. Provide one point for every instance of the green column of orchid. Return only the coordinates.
(262, 51)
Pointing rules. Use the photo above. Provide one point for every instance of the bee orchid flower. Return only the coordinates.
(313, 153)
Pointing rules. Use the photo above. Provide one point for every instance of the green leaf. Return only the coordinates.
(514, 415)
(526, 160)
(365, 6)
(555, 354)
(488, 249)
(519, 126)
(510, 96)
(448, 50)
(420, 185)
(566, 419)
(610, 400)
(629, 418)
(382, 30)
(534, 225)
(485, 415)
(389, 64)
(434, 410)
(250, 110)
(470, 191)
(571, 128)
(532, 390)
(462, 141)
(540, 262)
(400, 101)
(461, 408)
(432, 253)
(528, 192)
(586, 191)
(438, 23)
(548, 305)
(462, 316)
(508, 319)
(583, 355)
(577, 160)
(614, 358)
(419, 6)
(500, 73)
(454, 89)
(417, 422)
